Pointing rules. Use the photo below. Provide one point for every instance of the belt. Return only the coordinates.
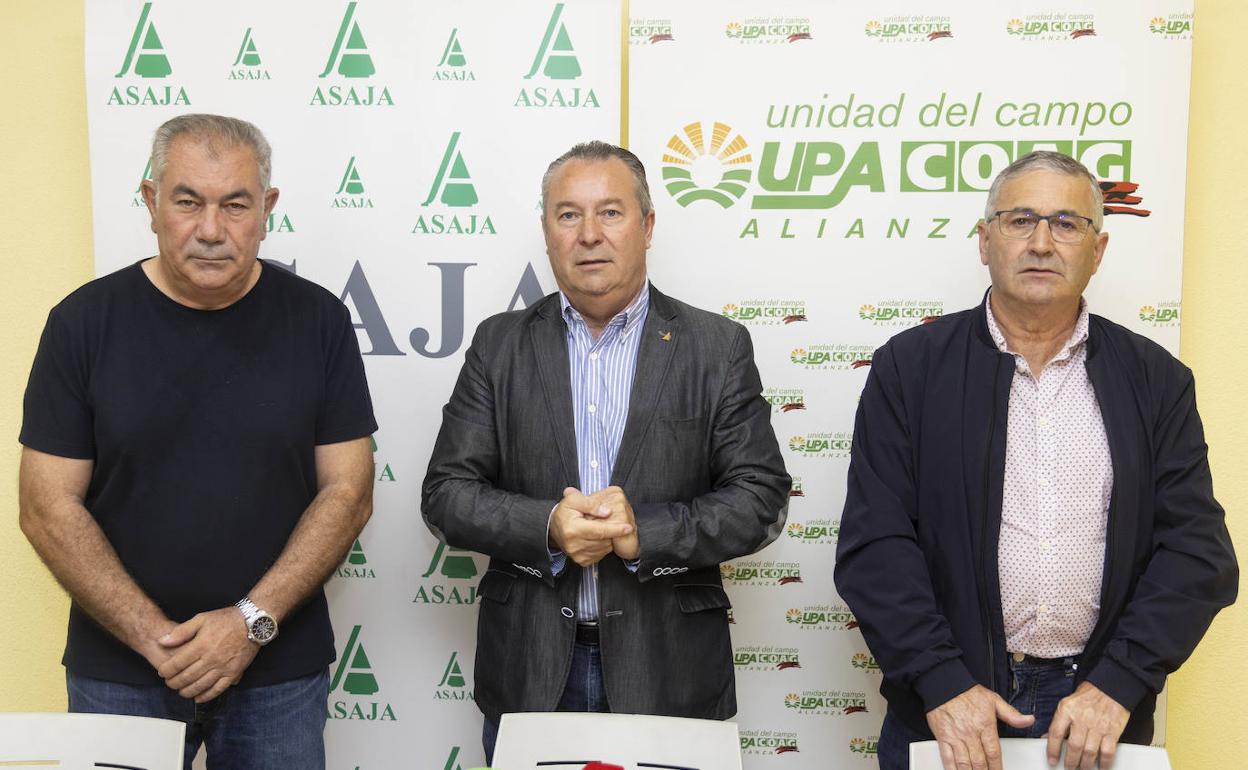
(587, 633)
(1019, 657)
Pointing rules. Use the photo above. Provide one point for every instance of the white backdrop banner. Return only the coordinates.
(818, 172)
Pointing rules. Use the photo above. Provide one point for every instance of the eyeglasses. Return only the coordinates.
(1064, 228)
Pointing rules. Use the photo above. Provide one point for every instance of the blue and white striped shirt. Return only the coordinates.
(602, 382)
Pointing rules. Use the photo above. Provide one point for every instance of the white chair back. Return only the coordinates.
(534, 741)
(30, 741)
(1029, 754)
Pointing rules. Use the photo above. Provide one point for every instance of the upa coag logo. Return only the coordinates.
(842, 357)
(453, 685)
(760, 573)
(453, 189)
(247, 64)
(349, 63)
(1162, 314)
(146, 59)
(827, 702)
(649, 31)
(785, 399)
(356, 565)
(815, 531)
(865, 747)
(701, 168)
(766, 312)
(822, 445)
(454, 64)
(1175, 26)
(769, 30)
(1052, 26)
(446, 579)
(768, 742)
(821, 617)
(910, 312)
(766, 658)
(909, 29)
(353, 684)
(864, 662)
(556, 60)
(350, 193)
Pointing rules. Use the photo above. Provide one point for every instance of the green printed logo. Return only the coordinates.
(826, 617)
(354, 663)
(555, 56)
(453, 54)
(136, 200)
(1176, 26)
(448, 563)
(822, 445)
(1052, 26)
(456, 187)
(350, 194)
(760, 573)
(865, 662)
(785, 399)
(356, 565)
(247, 61)
(1164, 314)
(769, 30)
(765, 658)
(769, 312)
(350, 52)
(649, 31)
(827, 702)
(453, 686)
(694, 170)
(909, 29)
(386, 473)
(150, 61)
(867, 748)
(815, 532)
(767, 742)
(835, 357)
(901, 312)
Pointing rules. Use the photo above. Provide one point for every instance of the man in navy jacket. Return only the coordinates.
(1030, 540)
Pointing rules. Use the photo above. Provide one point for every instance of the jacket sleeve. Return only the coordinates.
(880, 571)
(746, 506)
(460, 501)
(1192, 572)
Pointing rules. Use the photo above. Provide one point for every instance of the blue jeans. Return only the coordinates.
(583, 692)
(1036, 687)
(274, 727)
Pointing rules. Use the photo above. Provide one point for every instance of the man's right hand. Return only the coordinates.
(966, 729)
(585, 540)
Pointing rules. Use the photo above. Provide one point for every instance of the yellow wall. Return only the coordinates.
(45, 243)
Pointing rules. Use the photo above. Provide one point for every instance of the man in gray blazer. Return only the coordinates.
(607, 447)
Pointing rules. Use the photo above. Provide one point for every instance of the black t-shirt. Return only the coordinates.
(202, 425)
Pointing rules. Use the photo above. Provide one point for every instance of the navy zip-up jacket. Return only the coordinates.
(917, 556)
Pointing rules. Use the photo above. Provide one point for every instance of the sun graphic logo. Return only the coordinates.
(794, 615)
(726, 571)
(1157, 24)
(797, 443)
(694, 170)
(792, 700)
(796, 529)
(874, 28)
(866, 312)
(1015, 27)
(733, 29)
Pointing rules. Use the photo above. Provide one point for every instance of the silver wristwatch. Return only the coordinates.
(261, 626)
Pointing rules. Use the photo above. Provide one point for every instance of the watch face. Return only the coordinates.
(263, 629)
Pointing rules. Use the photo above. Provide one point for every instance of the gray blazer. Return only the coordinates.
(699, 463)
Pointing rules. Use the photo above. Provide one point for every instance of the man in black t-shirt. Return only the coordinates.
(197, 461)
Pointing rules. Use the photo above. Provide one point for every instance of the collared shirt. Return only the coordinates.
(602, 382)
(1058, 482)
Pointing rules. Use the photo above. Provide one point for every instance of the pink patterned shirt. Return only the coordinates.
(1058, 480)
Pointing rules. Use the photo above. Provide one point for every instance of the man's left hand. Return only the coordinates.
(611, 504)
(1091, 722)
(211, 652)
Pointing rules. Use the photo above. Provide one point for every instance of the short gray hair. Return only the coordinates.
(597, 150)
(1048, 160)
(216, 132)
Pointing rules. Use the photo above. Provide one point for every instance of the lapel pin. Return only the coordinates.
(665, 336)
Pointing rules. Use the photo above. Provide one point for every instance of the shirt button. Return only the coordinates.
(592, 408)
(593, 356)
(1043, 609)
(1044, 482)
(593, 464)
(1043, 422)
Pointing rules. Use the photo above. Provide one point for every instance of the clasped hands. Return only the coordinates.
(588, 527)
(204, 656)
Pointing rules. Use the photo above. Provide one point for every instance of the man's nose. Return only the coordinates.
(1041, 239)
(590, 231)
(211, 225)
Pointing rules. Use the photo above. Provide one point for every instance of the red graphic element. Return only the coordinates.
(602, 766)
(799, 36)
(792, 407)
(938, 35)
(855, 709)
(1083, 33)
(796, 493)
(788, 664)
(785, 749)
(851, 625)
(784, 581)
(1119, 200)
(927, 319)
(788, 319)
(860, 363)
(661, 38)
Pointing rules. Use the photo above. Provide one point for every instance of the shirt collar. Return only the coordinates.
(1077, 337)
(627, 319)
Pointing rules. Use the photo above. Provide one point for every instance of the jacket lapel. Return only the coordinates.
(660, 336)
(550, 347)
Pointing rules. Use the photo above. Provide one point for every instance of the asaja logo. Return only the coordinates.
(280, 223)
(1162, 314)
(649, 31)
(909, 29)
(823, 617)
(350, 194)
(453, 65)
(136, 200)
(815, 531)
(247, 64)
(146, 58)
(349, 58)
(841, 357)
(795, 488)
(864, 662)
(827, 702)
(785, 399)
(452, 187)
(556, 60)
(767, 742)
(448, 564)
(694, 171)
(766, 658)
(766, 312)
(769, 30)
(867, 748)
(760, 573)
(356, 565)
(910, 312)
(1052, 26)
(453, 685)
(1176, 26)
(386, 473)
(452, 760)
(822, 445)
(354, 677)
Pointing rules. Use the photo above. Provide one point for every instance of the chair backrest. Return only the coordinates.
(90, 740)
(1029, 754)
(630, 741)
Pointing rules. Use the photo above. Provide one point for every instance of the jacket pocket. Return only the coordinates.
(697, 597)
(496, 586)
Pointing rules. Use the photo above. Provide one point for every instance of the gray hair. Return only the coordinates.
(597, 150)
(1049, 161)
(216, 132)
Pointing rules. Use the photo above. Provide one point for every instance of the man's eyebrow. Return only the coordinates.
(242, 192)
